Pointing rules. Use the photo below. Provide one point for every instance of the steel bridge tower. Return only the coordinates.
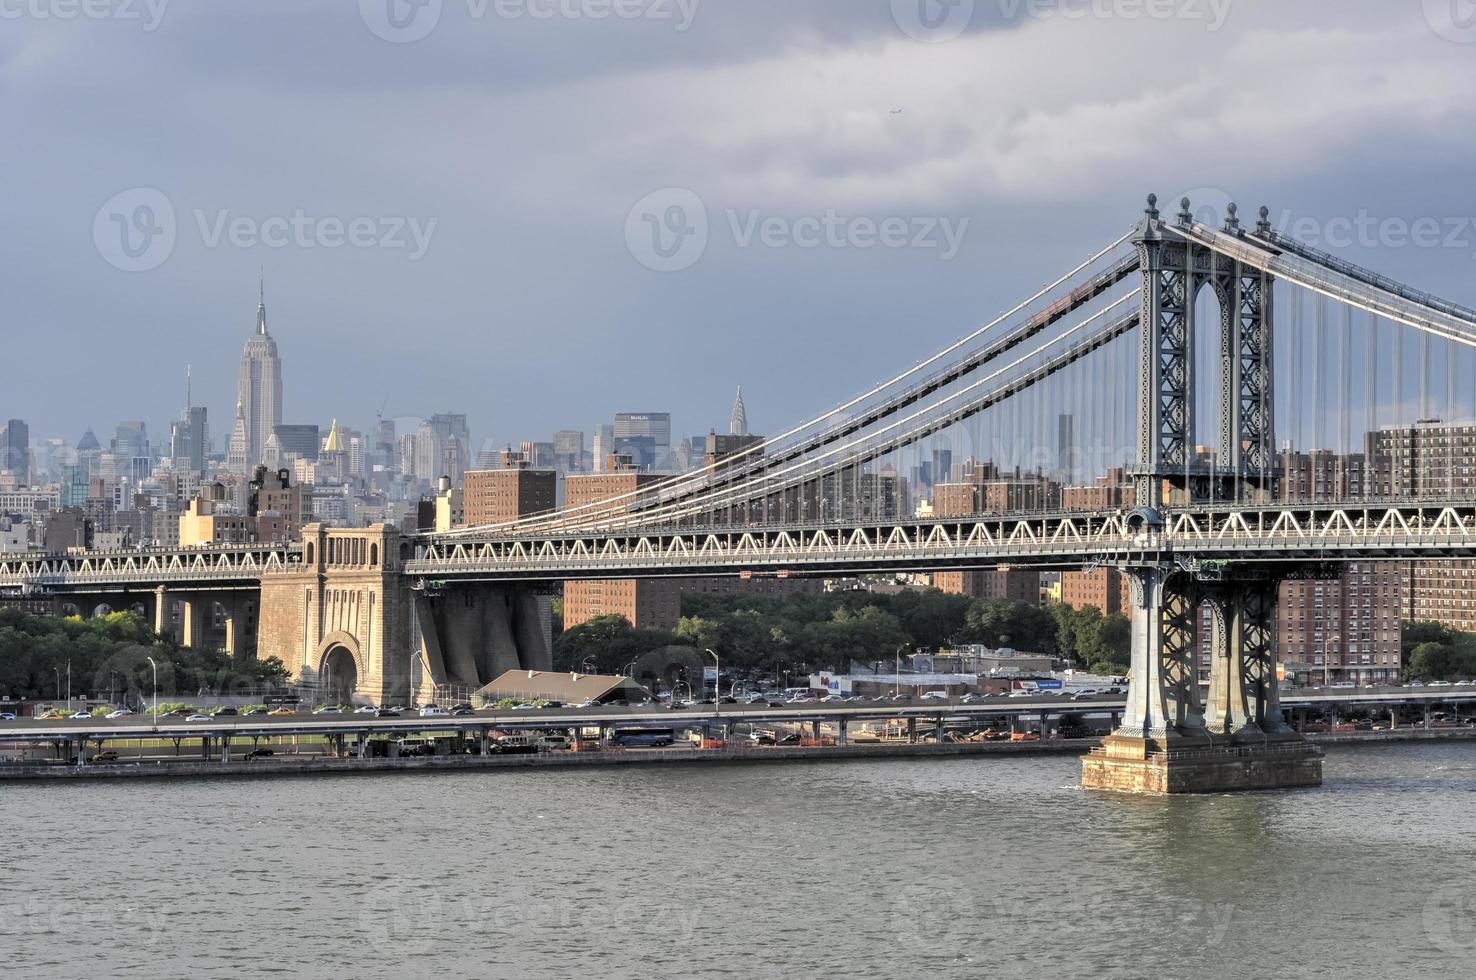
(1236, 739)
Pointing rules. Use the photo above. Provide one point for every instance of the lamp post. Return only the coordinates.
(717, 680)
(155, 706)
(1325, 665)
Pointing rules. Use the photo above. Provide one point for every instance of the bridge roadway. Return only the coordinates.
(933, 712)
(1366, 530)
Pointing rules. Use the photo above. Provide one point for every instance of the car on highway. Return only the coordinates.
(386, 713)
(462, 711)
(832, 699)
(1022, 693)
(118, 713)
(226, 710)
(80, 715)
(366, 709)
(935, 696)
(328, 709)
(258, 710)
(520, 706)
(1083, 694)
(106, 755)
(433, 711)
(279, 712)
(198, 717)
(6, 716)
(800, 699)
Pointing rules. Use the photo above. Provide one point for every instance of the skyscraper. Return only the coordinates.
(645, 437)
(15, 448)
(738, 421)
(188, 438)
(259, 392)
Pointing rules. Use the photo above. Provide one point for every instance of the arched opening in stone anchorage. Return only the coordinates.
(373, 555)
(405, 551)
(340, 676)
(101, 609)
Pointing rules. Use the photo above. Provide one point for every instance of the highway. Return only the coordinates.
(931, 711)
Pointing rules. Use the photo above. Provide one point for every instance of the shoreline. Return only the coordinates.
(323, 765)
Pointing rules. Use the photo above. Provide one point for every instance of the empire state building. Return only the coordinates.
(259, 393)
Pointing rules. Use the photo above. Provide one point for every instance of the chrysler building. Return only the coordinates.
(259, 393)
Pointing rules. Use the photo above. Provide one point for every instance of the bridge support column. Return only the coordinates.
(163, 621)
(196, 618)
(1164, 745)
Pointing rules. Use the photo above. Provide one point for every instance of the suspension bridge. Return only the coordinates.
(1156, 361)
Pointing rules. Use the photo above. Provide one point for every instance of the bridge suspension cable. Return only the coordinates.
(1314, 275)
(900, 432)
(762, 456)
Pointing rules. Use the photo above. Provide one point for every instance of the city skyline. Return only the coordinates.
(510, 228)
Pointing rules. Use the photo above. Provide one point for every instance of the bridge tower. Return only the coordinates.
(1170, 740)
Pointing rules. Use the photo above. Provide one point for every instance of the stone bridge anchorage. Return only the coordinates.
(346, 617)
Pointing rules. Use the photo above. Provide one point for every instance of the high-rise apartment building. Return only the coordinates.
(1017, 585)
(15, 449)
(501, 495)
(643, 602)
(258, 390)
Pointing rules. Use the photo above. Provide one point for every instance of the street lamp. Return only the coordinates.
(717, 681)
(587, 667)
(1325, 665)
(155, 705)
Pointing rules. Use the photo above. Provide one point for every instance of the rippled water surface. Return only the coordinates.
(946, 868)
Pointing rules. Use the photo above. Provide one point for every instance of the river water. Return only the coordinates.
(998, 867)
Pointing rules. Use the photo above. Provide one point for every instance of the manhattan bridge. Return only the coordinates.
(1173, 351)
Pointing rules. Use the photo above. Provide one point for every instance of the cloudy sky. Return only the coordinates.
(541, 212)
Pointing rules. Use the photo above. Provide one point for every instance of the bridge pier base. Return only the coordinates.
(1164, 744)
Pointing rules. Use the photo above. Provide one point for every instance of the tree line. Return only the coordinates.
(1435, 652)
(109, 657)
(798, 634)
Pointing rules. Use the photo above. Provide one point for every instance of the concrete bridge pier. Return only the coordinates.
(1167, 742)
